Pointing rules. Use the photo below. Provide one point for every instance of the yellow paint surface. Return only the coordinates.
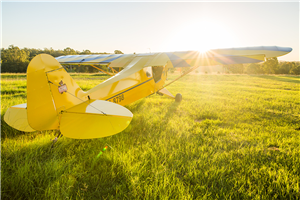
(16, 117)
(94, 119)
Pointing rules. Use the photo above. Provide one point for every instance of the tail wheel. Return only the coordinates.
(178, 97)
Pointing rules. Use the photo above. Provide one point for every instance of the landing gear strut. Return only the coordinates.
(55, 139)
(178, 97)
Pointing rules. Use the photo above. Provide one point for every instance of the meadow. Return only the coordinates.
(231, 137)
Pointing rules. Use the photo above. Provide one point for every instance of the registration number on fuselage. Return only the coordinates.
(117, 99)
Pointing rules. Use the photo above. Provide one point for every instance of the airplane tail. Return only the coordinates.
(55, 101)
(50, 90)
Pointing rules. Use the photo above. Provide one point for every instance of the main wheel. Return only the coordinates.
(178, 97)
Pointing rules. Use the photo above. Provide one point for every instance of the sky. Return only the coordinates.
(143, 27)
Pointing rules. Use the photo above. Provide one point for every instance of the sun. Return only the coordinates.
(199, 36)
(203, 49)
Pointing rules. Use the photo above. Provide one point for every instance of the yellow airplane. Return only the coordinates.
(56, 102)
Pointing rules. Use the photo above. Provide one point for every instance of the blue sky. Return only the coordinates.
(151, 26)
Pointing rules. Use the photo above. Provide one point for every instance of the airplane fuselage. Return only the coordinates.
(132, 88)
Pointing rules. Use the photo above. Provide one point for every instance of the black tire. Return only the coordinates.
(178, 97)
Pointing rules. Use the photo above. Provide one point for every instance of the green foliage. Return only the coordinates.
(86, 52)
(270, 66)
(295, 69)
(118, 52)
(235, 68)
(69, 51)
(253, 68)
(16, 60)
(232, 137)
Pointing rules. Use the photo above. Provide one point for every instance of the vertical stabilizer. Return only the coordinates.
(50, 89)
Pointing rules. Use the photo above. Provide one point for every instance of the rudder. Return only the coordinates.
(50, 89)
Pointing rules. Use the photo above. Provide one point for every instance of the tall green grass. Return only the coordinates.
(232, 137)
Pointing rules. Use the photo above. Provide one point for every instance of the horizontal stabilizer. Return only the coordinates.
(94, 119)
(16, 117)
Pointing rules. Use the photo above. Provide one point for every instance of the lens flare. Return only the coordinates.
(99, 154)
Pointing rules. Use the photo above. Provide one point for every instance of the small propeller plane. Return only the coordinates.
(56, 102)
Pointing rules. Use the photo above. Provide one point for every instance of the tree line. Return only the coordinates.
(270, 66)
(16, 60)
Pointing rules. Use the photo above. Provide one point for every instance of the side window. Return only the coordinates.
(148, 71)
(157, 72)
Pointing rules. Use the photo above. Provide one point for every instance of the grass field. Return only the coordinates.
(232, 137)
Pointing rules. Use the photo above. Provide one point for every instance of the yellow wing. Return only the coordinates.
(182, 59)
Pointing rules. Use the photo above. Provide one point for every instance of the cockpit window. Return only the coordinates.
(157, 72)
(148, 72)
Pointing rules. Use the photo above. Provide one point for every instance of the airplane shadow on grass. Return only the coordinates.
(172, 108)
(136, 106)
(33, 168)
(9, 132)
(69, 170)
(142, 128)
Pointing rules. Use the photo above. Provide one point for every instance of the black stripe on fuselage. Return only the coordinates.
(130, 88)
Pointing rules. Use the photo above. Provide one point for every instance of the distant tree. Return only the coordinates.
(48, 51)
(92, 69)
(118, 52)
(69, 51)
(235, 68)
(86, 52)
(32, 52)
(270, 66)
(14, 59)
(80, 69)
(57, 53)
(295, 70)
(253, 68)
(284, 67)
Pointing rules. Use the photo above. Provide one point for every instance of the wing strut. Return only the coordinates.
(102, 70)
(113, 70)
(188, 71)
